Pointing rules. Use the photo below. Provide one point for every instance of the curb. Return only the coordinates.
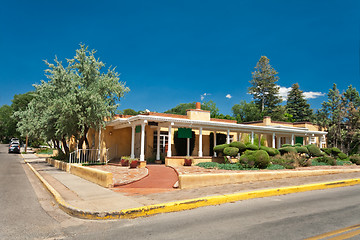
(186, 204)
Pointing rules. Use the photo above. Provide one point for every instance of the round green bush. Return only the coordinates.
(285, 150)
(314, 151)
(286, 145)
(262, 159)
(335, 151)
(302, 150)
(355, 159)
(247, 160)
(220, 148)
(231, 151)
(326, 150)
(298, 145)
(342, 156)
(252, 147)
(277, 152)
(270, 151)
(241, 146)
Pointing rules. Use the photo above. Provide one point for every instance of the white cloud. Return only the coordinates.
(204, 95)
(311, 95)
(228, 96)
(283, 92)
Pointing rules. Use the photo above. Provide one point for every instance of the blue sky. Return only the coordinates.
(171, 52)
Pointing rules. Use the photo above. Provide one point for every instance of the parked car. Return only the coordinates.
(14, 148)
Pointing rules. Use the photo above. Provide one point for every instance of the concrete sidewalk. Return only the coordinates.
(85, 199)
(78, 192)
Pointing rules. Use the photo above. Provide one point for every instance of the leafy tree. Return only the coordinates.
(246, 112)
(75, 98)
(264, 88)
(130, 111)
(181, 108)
(7, 125)
(297, 105)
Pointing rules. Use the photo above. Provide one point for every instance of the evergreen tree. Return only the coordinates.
(333, 108)
(264, 89)
(297, 105)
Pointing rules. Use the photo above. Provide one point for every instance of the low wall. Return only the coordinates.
(202, 180)
(58, 164)
(102, 178)
(179, 161)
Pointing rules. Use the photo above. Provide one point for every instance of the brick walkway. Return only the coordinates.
(160, 179)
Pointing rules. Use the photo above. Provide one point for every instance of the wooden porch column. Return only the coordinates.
(132, 155)
(200, 143)
(158, 144)
(169, 141)
(142, 147)
(228, 137)
(214, 142)
(273, 141)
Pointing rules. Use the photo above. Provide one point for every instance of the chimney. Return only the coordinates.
(198, 106)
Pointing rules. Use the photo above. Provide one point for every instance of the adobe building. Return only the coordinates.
(152, 135)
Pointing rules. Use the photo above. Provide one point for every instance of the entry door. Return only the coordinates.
(137, 144)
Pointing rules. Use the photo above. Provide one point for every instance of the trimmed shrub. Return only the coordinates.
(286, 145)
(220, 148)
(335, 151)
(302, 150)
(285, 150)
(247, 160)
(315, 162)
(298, 145)
(270, 151)
(342, 156)
(252, 147)
(314, 151)
(277, 152)
(241, 146)
(355, 159)
(262, 159)
(231, 151)
(326, 150)
(328, 160)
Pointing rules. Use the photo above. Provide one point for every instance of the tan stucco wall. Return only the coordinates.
(202, 115)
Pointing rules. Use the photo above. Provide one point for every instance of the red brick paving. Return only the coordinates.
(160, 179)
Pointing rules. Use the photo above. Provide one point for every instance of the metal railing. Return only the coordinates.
(87, 156)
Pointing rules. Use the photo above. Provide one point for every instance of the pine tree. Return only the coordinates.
(264, 89)
(333, 108)
(297, 105)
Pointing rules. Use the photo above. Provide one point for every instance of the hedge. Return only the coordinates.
(314, 151)
(302, 150)
(262, 159)
(252, 147)
(241, 146)
(270, 151)
(220, 148)
(284, 150)
(231, 151)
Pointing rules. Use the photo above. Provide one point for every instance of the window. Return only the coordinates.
(163, 141)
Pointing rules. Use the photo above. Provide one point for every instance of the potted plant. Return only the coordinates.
(188, 161)
(125, 161)
(133, 163)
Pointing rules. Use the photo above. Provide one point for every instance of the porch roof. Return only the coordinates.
(163, 121)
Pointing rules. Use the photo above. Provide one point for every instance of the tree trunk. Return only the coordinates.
(83, 139)
(66, 148)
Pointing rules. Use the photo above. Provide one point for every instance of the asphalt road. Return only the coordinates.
(29, 212)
